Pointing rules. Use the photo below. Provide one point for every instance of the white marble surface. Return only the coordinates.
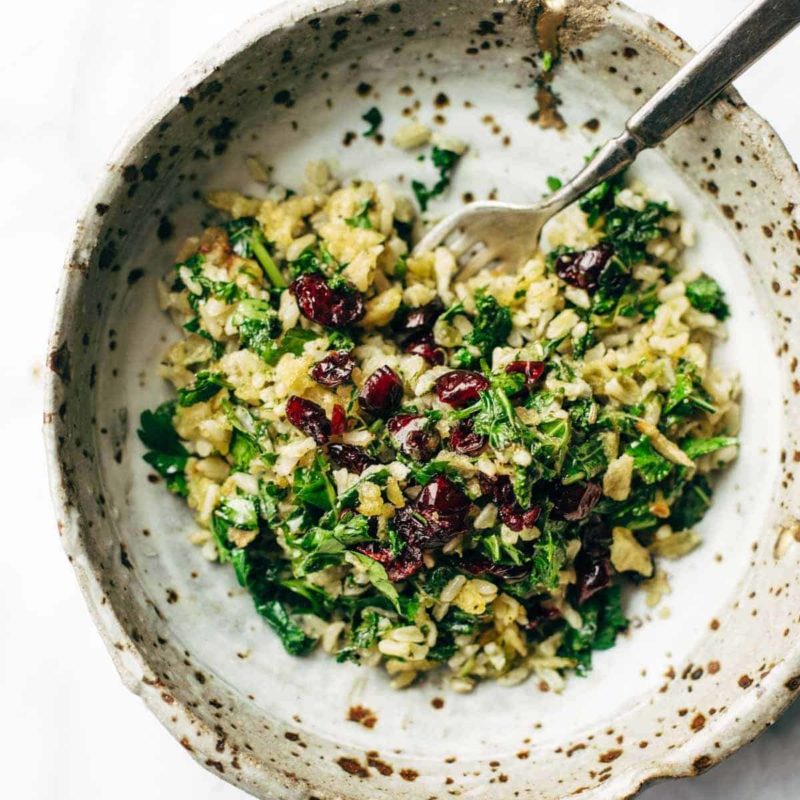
(72, 76)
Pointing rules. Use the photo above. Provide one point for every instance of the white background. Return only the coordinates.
(73, 74)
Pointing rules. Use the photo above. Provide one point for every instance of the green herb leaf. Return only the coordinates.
(206, 385)
(648, 462)
(361, 219)
(313, 487)
(248, 241)
(373, 118)
(491, 326)
(705, 294)
(377, 576)
(603, 619)
(691, 505)
(445, 161)
(696, 448)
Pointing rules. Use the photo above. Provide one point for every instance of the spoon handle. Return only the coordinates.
(760, 26)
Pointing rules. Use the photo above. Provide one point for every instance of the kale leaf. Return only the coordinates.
(491, 326)
(373, 118)
(629, 231)
(648, 462)
(602, 619)
(691, 505)
(705, 294)
(257, 575)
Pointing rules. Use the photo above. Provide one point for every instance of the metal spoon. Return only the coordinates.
(483, 233)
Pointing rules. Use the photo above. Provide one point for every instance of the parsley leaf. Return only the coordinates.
(445, 161)
(361, 219)
(324, 547)
(206, 385)
(248, 241)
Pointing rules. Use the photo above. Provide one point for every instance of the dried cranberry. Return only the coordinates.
(334, 369)
(348, 456)
(593, 570)
(583, 269)
(420, 319)
(591, 575)
(539, 615)
(575, 502)
(425, 346)
(309, 418)
(518, 518)
(398, 568)
(338, 420)
(461, 387)
(464, 440)
(410, 526)
(382, 392)
(498, 487)
(532, 370)
(414, 436)
(480, 565)
(444, 506)
(334, 308)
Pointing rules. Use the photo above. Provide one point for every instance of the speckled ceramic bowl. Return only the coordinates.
(685, 688)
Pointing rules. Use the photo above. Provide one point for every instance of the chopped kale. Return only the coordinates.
(584, 461)
(363, 636)
(696, 448)
(373, 118)
(324, 547)
(650, 465)
(687, 396)
(361, 218)
(206, 385)
(491, 326)
(437, 579)
(600, 200)
(313, 487)
(258, 325)
(691, 505)
(705, 294)
(445, 161)
(629, 231)
(258, 578)
(553, 183)
(603, 619)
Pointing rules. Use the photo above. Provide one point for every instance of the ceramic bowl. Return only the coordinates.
(697, 677)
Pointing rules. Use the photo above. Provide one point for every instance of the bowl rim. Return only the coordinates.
(129, 660)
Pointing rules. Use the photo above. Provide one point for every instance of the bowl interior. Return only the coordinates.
(668, 695)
